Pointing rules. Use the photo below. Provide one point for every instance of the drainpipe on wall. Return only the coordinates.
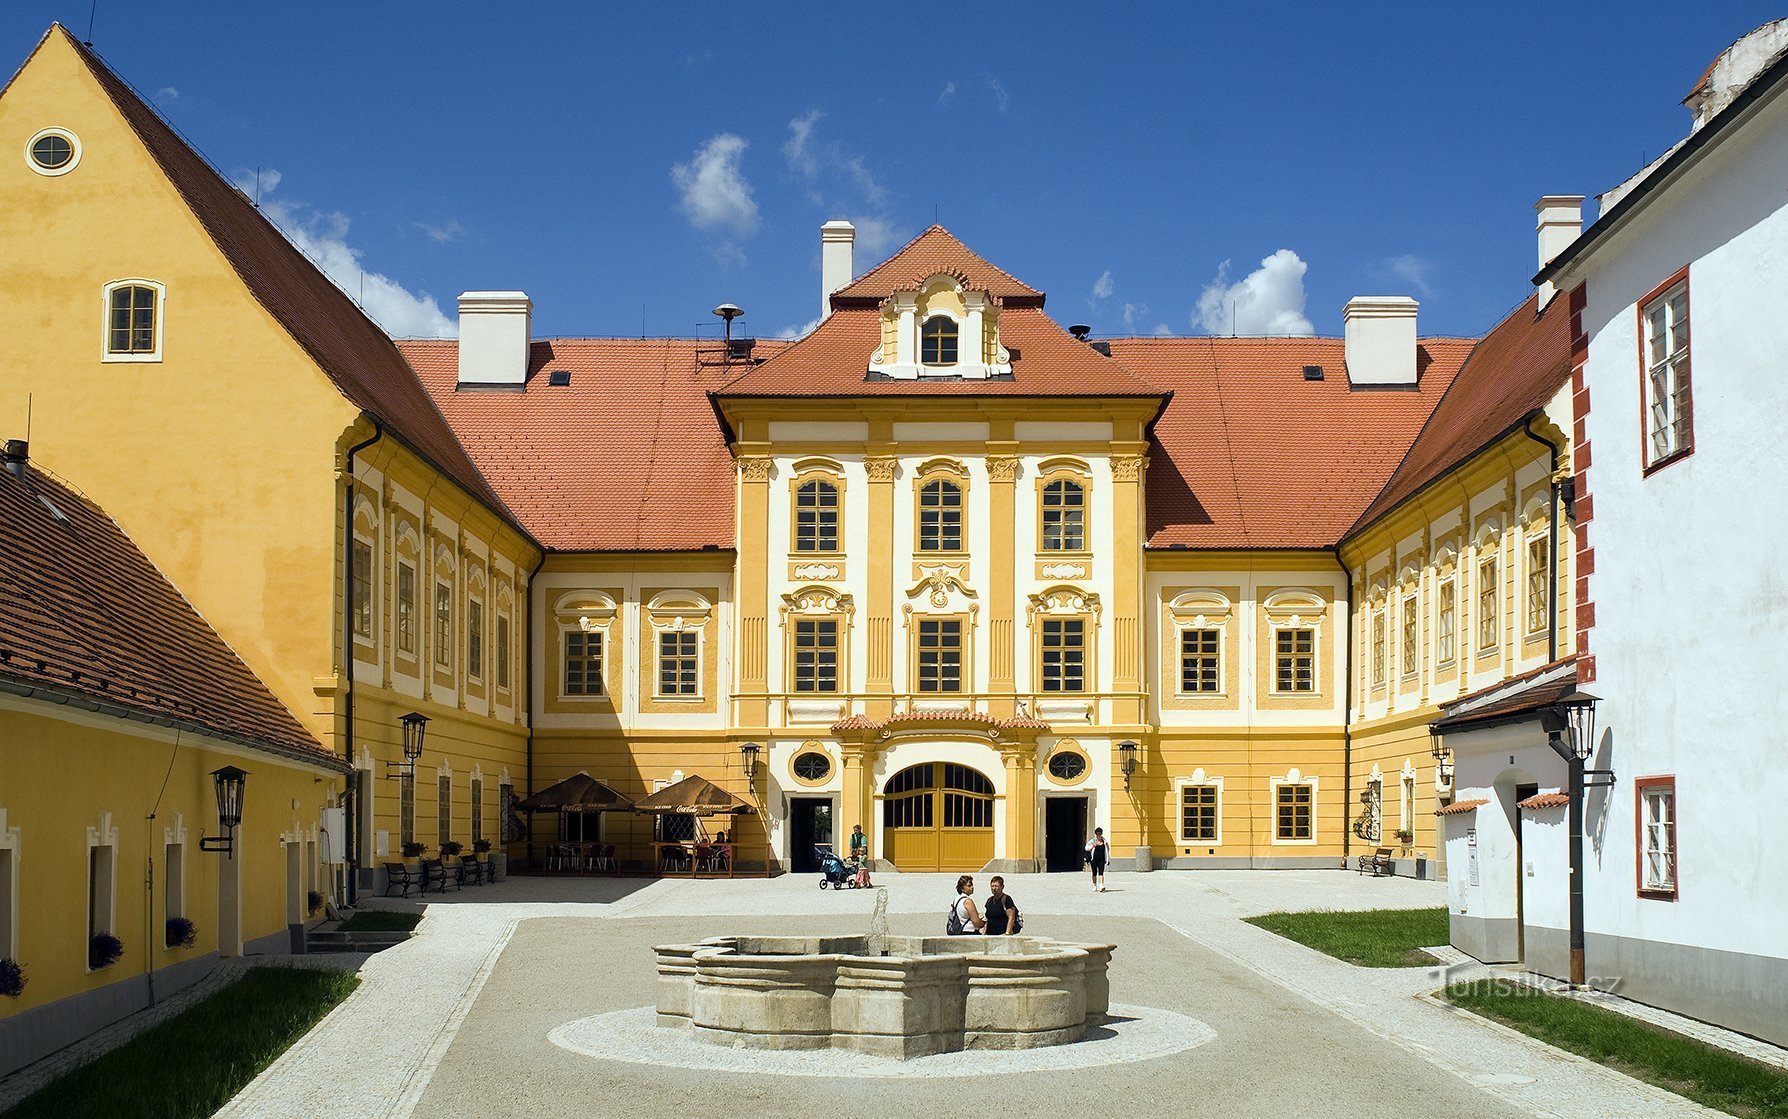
(1346, 715)
(350, 802)
(528, 699)
(1554, 486)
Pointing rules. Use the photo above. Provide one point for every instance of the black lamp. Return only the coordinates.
(1443, 759)
(748, 752)
(1571, 723)
(229, 781)
(415, 726)
(1127, 761)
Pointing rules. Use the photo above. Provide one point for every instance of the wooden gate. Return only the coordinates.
(938, 816)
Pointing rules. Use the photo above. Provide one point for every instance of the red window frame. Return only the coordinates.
(1661, 781)
(1647, 465)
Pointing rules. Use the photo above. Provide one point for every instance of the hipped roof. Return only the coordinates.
(694, 795)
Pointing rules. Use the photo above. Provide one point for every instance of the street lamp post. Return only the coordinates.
(415, 726)
(1127, 761)
(748, 752)
(1570, 725)
(229, 782)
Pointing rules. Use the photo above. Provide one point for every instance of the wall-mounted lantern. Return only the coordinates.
(1443, 761)
(415, 726)
(748, 752)
(229, 781)
(1127, 761)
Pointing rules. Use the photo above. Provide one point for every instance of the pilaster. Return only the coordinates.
(1001, 579)
(879, 615)
(752, 702)
(1127, 467)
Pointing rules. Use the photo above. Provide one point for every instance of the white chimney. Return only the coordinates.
(1381, 340)
(1561, 220)
(837, 238)
(493, 338)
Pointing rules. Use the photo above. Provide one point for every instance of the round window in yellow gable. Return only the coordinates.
(811, 766)
(1067, 764)
(53, 151)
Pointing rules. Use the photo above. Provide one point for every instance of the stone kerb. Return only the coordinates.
(912, 997)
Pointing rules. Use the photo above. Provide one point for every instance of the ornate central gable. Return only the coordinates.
(941, 327)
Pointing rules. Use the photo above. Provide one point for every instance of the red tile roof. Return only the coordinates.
(1248, 454)
(628, 457)
(931, 252)
(834, 361)
(1459, 806)
(1544, 800)
(350, 348)
(83, 611)
(1512, 372)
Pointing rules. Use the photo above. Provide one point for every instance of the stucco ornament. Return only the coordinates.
(818, 600)
(879, 469)
(816, 571)
(938, 581)
(1064, 570)
(1127, 468)
(755, 469)
(1002, 468)
(1064, 601)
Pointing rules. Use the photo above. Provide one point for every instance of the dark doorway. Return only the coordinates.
(809, 823)
(1064, 833)
(1522, 792)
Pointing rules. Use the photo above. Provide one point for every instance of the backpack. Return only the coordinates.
(953, 925)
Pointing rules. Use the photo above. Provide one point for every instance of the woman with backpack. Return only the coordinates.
(964, 919)
(1097, 853)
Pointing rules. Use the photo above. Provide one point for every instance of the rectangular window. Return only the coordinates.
(444, 812)
(131, 329)
(1539, 582)
(1657, 837)
(406, 809)
(1200, 663)
(406, 608)
(1064, 655)
(477, 810)
(1064, 517)
(677, 663)
(475, 640)
(1294, 660)
(506, 818)
(1378, 652)
(583, 663)
(363, 589)
(99, 889)
(816, 655)
(1410, 644)
(503, 653)
(1293, 810)
(1198, 813)
(940, 517)
(1446, 625)
(1487, 594)
(816, 517)
(443, 625)
(174, 879)
(1669, 416)
(940, 655)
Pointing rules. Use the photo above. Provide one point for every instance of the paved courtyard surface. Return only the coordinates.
(456, 1022)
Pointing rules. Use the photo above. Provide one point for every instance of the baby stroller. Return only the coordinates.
(837, 874)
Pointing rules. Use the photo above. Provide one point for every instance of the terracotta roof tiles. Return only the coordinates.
(1459, 806)
(83, 611)
(1544, 800)
(932, 252)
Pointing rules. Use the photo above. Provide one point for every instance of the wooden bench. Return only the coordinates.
(403, 877)
(1381, 862)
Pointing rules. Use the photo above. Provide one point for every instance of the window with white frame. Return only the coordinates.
(1410, 643)
(940, 516)
(1669, 417)
(475, 639)
(363, 589)
(1406, 805)
(1064, 654)
(1657, 828)
(444, 810)
(477, 809)
(816, 517)
(1201, 667)
(1446, 622)
(1064, 516)
(583, 663)
(816, 655)
(173, 880)
(1539, 582)
(1378, 643)
(406, 607)
(1200, 812)
(679, 663)
(1294, 659)
(133, 320)
(443, 625)
(1488, 591)
(1294, 812)
(940, 654)
(503, 651)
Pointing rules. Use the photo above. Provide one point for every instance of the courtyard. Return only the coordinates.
(483, 1011)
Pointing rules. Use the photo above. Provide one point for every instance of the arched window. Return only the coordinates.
(938, 341)
(133, 321)
(1064, 517)
(816, 517)
(940, 517)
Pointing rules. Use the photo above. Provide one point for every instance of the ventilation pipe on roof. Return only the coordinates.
(1381, 340)
(837, 241)
(493, 339)
(15, 455)
(1561, 220)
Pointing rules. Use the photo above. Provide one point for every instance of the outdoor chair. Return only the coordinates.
(1380, 863)
(402, 877)
(560, 857)
(603, 857)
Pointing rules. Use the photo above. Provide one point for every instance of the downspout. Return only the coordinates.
(1346, 718)
(350, 803)
(528, 699)
(1551, 538)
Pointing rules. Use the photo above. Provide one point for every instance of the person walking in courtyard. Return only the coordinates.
(1002, 911)
(1098, 852)
(964, 919)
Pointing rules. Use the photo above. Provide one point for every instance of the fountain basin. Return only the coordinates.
(893, 996)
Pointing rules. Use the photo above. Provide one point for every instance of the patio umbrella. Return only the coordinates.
(578, 793)
(694, 795)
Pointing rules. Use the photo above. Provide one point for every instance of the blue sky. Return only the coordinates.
(632, 166)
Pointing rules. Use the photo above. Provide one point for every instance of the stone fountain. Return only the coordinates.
(892, 996)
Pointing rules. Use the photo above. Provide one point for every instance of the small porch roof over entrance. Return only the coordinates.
(1516, 699)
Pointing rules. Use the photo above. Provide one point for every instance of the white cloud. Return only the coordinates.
(441, 234)
(799, 155)
(876, 235)
(999, 93)
(712, 190)
(166, 95)
(873, 192)
(1162, 330)
(1412, 270)
(322, 237)
(790, 333)
(1102, 286)
(1133, 314)
(1268, 300)
(947, 94)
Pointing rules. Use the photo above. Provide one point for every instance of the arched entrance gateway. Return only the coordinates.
(938, 816)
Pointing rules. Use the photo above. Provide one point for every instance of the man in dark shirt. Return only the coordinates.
(1002, 911)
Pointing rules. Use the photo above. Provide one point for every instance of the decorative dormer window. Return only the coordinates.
(938, 345)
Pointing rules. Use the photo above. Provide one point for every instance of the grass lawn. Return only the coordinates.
(1709, 1076)
(190, 1065)
(1372, 938)
(380, 920)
